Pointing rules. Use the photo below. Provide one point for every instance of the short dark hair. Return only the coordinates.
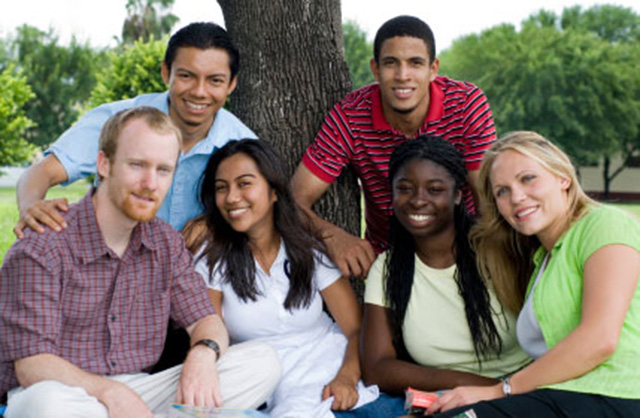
(203, 35)
(405, 26)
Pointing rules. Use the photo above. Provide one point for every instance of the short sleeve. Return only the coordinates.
(374, 290)
(215, 281)
(77, 147)
(189, 300)
(607, 225)
(479, 129)
(328, 154)
(326, 272)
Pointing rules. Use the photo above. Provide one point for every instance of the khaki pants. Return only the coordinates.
(249, 373)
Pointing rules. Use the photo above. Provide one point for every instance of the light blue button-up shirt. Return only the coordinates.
(77, 150)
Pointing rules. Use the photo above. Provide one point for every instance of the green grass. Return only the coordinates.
(9, 209)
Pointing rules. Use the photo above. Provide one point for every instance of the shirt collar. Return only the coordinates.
(93, 244)
(434, 113)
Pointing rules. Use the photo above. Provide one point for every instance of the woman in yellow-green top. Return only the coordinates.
(431, 322)
(571, 267)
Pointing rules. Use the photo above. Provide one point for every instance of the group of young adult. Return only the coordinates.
(87, 290)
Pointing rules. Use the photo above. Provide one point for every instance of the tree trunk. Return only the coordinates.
(292, 71)
(605, 177)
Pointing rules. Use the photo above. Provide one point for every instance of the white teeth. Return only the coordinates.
(420, 218)
(526, 212)
(237, 212)
(403, 91)
(196, 105)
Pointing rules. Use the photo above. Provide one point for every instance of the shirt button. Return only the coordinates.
(113, 363)
(113, 318)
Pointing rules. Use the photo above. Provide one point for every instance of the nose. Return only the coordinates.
(233, 195)
(402, 71)
(199, 88)
(517, 194)
(419, 198)
(150, 180)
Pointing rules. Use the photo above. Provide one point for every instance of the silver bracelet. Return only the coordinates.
(506, 386)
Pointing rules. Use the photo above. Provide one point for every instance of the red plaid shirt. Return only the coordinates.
(69, 295)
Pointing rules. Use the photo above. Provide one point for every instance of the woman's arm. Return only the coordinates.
(610, 281)
(345, 310)
(215, 296)
(381, 365)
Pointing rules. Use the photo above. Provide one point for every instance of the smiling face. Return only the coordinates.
(139, 175)
(404, 73)
(529, 197)
(199, 82)
(244, 197)
(424, 198)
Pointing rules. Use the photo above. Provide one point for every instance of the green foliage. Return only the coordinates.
(571, 85)
(134, 70)
(357, 52)
(61, 78)
(147, 20)
(14, 93)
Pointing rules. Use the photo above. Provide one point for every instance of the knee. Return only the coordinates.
(264, 363)
(51, 399)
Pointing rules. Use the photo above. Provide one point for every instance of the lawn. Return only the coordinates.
(9, 209)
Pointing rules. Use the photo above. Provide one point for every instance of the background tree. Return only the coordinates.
(14, 93)
(358, 53)
(570, 84)
(148, 19)
(133, 70)
(61, 77)
(292, 72)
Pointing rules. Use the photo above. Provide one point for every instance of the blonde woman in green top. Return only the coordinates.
(570, 267)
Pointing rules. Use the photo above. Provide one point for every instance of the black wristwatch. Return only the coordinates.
(211, 344)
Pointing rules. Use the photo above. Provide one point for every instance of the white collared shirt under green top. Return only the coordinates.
(435, 329)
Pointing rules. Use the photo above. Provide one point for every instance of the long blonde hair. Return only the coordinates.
(505, 257)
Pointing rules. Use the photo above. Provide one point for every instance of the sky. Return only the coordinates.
(98, 22)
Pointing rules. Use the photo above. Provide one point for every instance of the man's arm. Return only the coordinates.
(117, 397)
(351, 254)
(32, 187)
(199, 382)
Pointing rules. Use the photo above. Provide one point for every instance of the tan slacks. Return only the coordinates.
(248, 372)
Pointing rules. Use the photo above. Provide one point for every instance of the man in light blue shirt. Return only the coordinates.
(200, 67)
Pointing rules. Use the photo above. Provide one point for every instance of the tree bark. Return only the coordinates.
(292, 71)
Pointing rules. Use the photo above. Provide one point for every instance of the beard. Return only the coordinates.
(140, 212)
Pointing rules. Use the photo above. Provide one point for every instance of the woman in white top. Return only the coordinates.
(268, 278)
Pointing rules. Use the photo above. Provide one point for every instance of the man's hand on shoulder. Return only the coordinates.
(43, 213)
(199, 382)
(353, 255)
(122, 402)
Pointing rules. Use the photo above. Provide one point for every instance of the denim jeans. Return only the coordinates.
(384, 407)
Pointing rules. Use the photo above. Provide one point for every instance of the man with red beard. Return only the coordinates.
(83, 312)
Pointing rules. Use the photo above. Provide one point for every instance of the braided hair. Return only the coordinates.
(400, 262)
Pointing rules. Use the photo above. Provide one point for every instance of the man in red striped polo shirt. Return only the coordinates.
(410, 100)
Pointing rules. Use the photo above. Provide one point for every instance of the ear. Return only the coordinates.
(435, 66)
(375, 70)
(165, 72)
(102, 165)
(565, 182)
(458, 198)
(232, 85)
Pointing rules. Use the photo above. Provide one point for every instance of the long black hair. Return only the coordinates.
(400, 263)
(229, 248)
